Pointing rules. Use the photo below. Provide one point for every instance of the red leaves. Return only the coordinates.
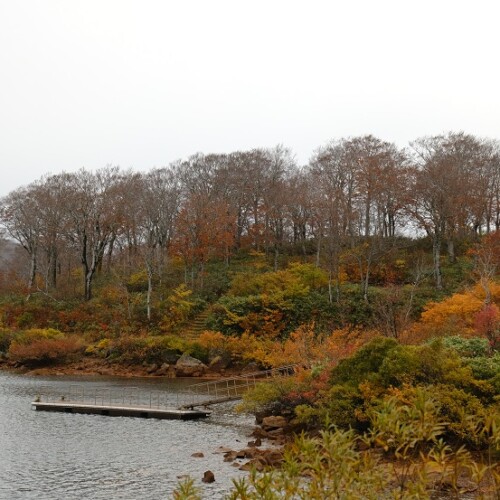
(487, 323)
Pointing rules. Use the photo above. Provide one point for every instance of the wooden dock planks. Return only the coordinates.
(121, 411)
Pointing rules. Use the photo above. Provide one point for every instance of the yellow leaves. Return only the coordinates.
(277, 286)
(178, 308)
(34, 334)
(212, 340)
(245, 347)
(301, 347)
(139, 278)
(309, 275)
(455, 315)
(456, 312)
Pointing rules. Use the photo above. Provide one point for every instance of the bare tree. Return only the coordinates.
(93, 212)
(159, 206)
(20, 218)
(449, 189)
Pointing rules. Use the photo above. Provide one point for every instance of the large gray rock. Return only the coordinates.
(187, 366)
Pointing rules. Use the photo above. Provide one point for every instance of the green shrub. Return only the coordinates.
(267, 395)
(364, 364)
(155, 349)
(462, 411)
(6, 337)
(404, 428)
(26, 319)
(150, 349)
(401, 365)
(485, 368)
(34, 334)
(334, 468)
(424, 364)
(196, 350)
(467, 347)
(343, 407)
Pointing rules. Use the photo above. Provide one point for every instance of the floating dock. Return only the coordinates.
(132, 402)
(120, 411)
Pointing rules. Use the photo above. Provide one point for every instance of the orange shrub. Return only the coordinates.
(303, 346)
(344, 342)
(455, 315)
(245, 347)
(44, 350)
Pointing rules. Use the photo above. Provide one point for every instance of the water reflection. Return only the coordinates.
(54, 456)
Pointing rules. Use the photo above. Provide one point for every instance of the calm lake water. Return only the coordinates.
(53, 456)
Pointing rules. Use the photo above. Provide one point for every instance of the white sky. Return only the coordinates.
(140, 83)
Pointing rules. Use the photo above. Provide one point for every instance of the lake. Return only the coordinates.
(53, 456)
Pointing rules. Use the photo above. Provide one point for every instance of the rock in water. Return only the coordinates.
(208, 477)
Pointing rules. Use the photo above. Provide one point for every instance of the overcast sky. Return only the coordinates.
(141, 83)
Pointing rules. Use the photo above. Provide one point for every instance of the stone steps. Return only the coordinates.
(196, 326)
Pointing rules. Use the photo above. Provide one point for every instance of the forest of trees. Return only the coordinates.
(356, 201)
(374, 267)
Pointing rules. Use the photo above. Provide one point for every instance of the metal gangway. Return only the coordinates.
(233, 388)
(114, 402)
(109, 395)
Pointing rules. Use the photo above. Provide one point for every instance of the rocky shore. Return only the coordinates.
(184, 366)
(263, 452)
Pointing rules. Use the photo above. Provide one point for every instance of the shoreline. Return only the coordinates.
(92, 366)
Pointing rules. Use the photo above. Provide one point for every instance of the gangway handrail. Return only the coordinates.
(201, 394)
(233, 388)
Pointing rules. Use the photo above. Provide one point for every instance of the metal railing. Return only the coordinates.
(230, 389)
(110, 396)
(201, 394)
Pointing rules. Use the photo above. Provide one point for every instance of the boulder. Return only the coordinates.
(260, 459)
(230, 457)
(218, 363)
(273, 458)
(208, 477)
(253, 444)
(152, 368)
(198, 454)
(274, 422)
(251, 367)
(187, 366)
(223, 449)
(163, 370)
(170, 356)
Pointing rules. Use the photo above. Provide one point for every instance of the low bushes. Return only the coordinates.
(43, 351)
(134, 350)
(403, 455)
(465, 389)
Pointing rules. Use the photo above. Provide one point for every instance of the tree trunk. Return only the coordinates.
(52, 268)
(88, 285)
(149, 293)
(32, 275)
(436, 253)
(451, 251)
